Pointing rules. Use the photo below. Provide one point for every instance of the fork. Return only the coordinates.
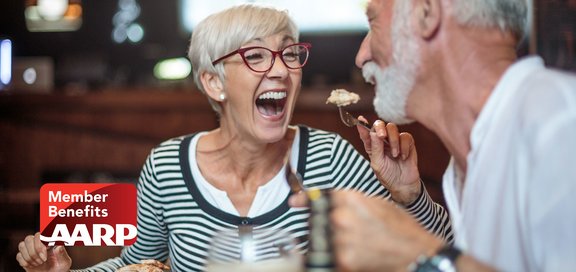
(294, 179)
(350, 121)
(296, 184)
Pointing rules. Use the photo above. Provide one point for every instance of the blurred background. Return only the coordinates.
(88, 87)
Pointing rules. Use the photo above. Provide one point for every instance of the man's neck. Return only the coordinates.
(464, 71)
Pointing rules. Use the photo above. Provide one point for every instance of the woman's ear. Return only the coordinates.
(429, 16)
(213, 86)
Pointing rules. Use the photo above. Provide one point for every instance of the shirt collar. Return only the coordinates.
(504, 90)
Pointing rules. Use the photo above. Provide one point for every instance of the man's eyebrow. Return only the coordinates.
(369, 10)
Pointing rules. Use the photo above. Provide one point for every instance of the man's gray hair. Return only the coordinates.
(226, 31)
(508, 15)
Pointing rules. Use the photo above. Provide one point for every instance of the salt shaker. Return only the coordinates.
(320, 256)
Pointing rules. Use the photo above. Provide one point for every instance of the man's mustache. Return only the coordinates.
(369, 70)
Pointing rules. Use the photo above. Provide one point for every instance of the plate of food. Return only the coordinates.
(145, 266)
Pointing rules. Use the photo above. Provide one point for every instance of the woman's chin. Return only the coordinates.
(272, 134)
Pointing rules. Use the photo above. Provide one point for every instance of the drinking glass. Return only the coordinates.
(255, 249)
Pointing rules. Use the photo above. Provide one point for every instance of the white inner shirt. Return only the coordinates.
(268, 196)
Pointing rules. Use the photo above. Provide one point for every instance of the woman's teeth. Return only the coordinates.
(271, 103)
(272, 95)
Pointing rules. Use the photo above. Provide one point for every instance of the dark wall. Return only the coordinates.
(92, 44)
(332, 58)
(106, 137)
(77, 53)
(556, 33)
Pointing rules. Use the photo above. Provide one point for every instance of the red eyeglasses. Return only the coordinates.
(261, 59)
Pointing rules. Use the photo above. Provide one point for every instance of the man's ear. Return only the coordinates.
(429, 16)
(212, 85)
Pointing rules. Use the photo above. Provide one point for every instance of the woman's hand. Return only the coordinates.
(34, 256)
(395, 166)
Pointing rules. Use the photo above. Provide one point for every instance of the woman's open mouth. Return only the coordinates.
(271, 104)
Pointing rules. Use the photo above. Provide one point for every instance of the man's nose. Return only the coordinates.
(364, 54)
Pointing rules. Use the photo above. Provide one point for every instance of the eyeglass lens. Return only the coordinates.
(261, 59)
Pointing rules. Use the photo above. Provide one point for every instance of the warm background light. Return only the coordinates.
(52, 10)
(53, 15)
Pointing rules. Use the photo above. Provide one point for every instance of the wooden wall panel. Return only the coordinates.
(44, 137)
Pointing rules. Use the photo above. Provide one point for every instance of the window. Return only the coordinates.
(310, 16)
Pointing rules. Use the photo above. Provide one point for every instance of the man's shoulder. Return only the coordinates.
(546, 95)
(558, 74)
(550, 84)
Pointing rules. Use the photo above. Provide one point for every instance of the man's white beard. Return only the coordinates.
(395, 82)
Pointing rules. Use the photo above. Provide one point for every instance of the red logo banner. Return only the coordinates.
(88, 214)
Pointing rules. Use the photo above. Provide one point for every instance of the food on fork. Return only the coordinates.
(342, 97)
(145, 266)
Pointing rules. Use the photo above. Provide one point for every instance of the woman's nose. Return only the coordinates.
(278, 68)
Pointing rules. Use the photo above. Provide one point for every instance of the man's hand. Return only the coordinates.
(34, 256)
(395, 166)
(372, 234)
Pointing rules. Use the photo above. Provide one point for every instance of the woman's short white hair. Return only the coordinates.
(226, 31)
(508, 15)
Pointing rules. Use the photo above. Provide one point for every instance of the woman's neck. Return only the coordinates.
(241, 159)
(240, 166)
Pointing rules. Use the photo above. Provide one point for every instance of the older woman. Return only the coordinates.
(247, 60)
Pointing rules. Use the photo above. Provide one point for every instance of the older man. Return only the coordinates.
(509, 124)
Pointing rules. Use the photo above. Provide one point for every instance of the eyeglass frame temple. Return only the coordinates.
(274, 53)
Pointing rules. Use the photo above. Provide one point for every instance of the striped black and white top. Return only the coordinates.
(175, 221)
